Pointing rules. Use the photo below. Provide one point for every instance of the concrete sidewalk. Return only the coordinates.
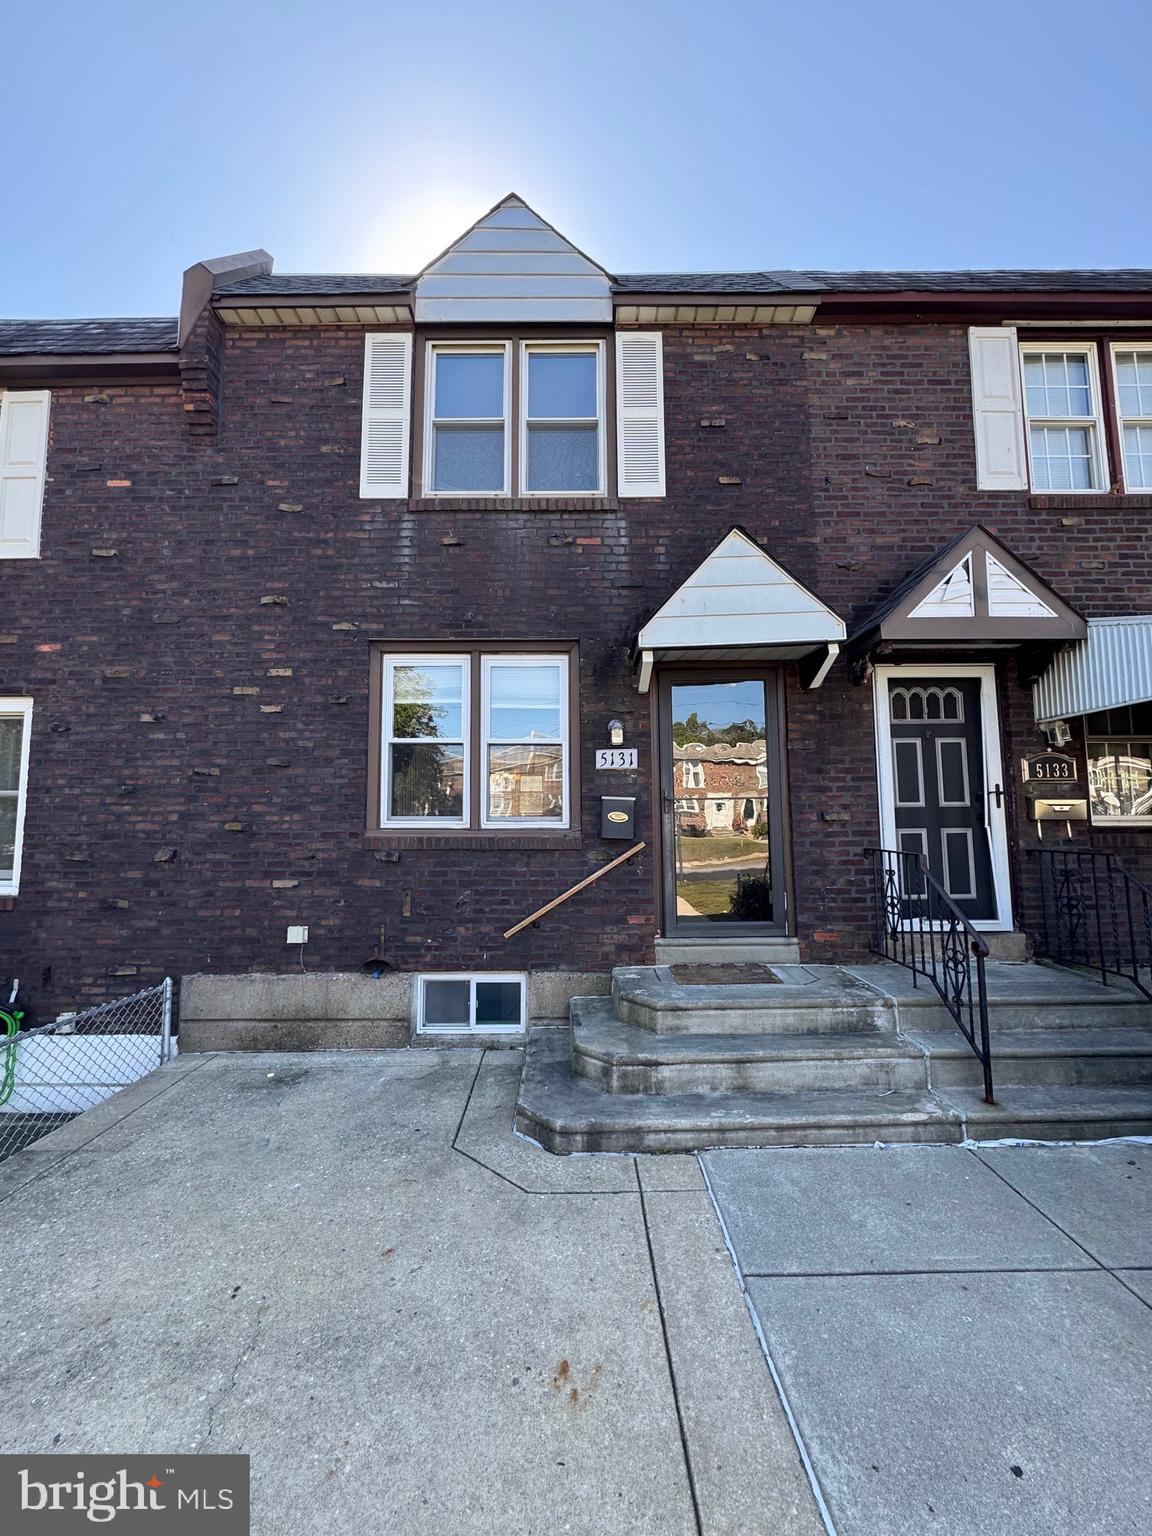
(964, 1337)
(346, 1266)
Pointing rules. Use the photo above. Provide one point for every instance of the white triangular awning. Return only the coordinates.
(740, 605)
(512, 265)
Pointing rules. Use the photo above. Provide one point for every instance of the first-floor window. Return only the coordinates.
(15, 724)
(1119, 746)
(476, 739)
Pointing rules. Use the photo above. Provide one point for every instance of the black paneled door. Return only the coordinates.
(939, 791)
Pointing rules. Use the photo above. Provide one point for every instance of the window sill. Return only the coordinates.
(494, 842)
(513, 504)
(1084, 501)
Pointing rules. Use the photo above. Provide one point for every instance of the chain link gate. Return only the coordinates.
(54, 1072)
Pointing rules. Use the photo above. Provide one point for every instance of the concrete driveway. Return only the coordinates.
(346, 1266)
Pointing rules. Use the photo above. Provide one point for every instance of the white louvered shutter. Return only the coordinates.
(23, 458)
(997, 409)
(387, 420)
(640, 413)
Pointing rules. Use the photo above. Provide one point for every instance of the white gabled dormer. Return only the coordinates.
(513, 266)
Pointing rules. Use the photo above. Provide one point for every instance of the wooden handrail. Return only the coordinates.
(582, 885)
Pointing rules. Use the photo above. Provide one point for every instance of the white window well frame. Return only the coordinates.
(471, 1028)
(560, 661)
(592, 348)
(20, 707)
(387, 739)
(1097, 432)
(1123, 421)
(437, 349)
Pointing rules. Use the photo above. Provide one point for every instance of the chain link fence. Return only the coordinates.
(54, 1072)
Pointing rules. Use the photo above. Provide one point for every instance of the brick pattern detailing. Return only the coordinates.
(177, 821)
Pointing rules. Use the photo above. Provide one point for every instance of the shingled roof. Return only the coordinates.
(43, 338)
(1125, 280)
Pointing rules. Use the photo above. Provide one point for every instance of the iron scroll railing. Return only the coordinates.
(918, 925)
(1095, 915)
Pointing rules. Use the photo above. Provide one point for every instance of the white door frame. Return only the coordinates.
(994, 773)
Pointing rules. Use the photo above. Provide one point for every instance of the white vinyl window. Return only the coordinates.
(1065, 428)
(524, 711)
(484, 1003)
(15, 741)
(693, 774)
(467, 420)
(543, 437)
(562, 413)
(1132, 370)
(425, 756)
(478, 740)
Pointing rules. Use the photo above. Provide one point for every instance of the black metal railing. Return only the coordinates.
(1095, 915)
(918, 925)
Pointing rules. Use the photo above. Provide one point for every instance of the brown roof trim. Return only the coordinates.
(83, 367)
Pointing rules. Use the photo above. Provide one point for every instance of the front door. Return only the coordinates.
(942, 796)
(723, 870)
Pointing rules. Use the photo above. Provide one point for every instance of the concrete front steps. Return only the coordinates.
(832, 1056)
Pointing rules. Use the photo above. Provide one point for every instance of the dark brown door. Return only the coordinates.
(722, 823)
(940, 796)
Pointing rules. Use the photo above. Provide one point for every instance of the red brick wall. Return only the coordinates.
(170, 805)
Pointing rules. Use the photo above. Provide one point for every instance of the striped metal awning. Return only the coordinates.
(1111, 667)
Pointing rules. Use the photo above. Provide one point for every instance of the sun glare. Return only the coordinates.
(407, 235)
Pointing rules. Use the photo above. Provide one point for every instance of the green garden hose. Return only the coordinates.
(11, 1026)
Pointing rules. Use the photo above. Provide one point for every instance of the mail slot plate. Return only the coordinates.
(1059, 810)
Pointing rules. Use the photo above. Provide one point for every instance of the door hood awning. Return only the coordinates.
(973, 593)
(740, 605)
(1110, 667)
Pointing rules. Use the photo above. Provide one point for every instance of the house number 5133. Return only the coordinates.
(616, 757)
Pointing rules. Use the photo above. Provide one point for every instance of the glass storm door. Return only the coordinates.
(722, 869)
(940, 797)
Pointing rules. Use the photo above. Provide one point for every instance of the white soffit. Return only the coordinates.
(512, 266)
(1110, 668)
(739, 597)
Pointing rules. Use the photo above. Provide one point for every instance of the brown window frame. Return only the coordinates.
(515, 338)
(472, 831)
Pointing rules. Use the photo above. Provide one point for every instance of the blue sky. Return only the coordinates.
(352, 136)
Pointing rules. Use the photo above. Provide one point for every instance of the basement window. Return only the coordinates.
(487, 1003)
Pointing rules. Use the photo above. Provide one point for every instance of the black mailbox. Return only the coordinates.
(618, 816)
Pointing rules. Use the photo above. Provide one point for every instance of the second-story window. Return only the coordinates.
(1065, 430)
(468, 407)
(1133, 368)
(515, 419)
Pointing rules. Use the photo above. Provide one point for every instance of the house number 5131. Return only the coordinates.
(616, 757)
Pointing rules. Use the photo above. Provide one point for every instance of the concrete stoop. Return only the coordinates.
(834, 1056)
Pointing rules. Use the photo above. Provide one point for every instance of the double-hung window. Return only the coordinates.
(476, 740)
(468, 397)
(1065, 426)
(515, 419)
(15, 731)
(1132, 368)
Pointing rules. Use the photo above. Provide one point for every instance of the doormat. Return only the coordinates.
(737, 974)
